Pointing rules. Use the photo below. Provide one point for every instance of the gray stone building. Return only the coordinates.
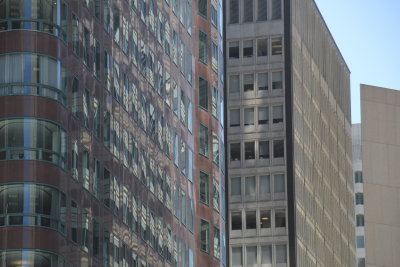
(291, 199)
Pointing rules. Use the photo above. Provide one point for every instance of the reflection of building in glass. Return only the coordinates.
(111, 133)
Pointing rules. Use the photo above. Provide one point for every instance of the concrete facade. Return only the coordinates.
(317, 199)
(380, 128)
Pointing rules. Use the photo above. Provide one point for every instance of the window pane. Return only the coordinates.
(203, 142)
(277, 114)
(281, 254)
(236, 186)
(251, 220)
(234, 49)
(248, 116)
(358, 177)
(204, 236)
(279, 183)
(276, 9)
(216, 242)
(234, 84)
(204, 188)
(236, 219)
(276, 46)
(262, 10)
(263, 150)
(248, 82)
(360, 242)
(262, 81)
(280, 218)
(237, 259)
(235, 152)
(265, 219)
(214, 102)
(203, 47)
(234, 117)
(265, 184)
(360, 220)
(262, 115)
(203, 93)
(266, 255)
(248, 48)
(250, 186)
(249, 150)
(278, 149)
(203, 7)
(215, 148)
(251, 255)
(277, 82)
(248, 6)
(262, 47)
(359, 199)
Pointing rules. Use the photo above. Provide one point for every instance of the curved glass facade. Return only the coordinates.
(32, 74)
(32, 139)
(30, 258)
(32, 205)
(41, 15)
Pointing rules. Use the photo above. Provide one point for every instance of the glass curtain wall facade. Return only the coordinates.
(289, 138)
(112, 133)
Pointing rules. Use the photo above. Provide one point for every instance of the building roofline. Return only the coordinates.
(331, 35)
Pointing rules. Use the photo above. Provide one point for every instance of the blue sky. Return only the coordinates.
(368, 35)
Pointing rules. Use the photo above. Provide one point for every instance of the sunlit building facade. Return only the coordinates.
(112, 133)
(376, 177)
(291, 199)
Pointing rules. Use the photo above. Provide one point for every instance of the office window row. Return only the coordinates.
(32, 74)
(262, 47)
(150, 119)
(256, 150)
(256, 116)
(135, 103)
(261, 186)
(32, 139)
(86, 169)
(85, 45)
(49, 209)
(257, 220)
(31, 258)
(248, 11)
(33, 205)
(261, 82)
(51, 19)
(259, 255)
